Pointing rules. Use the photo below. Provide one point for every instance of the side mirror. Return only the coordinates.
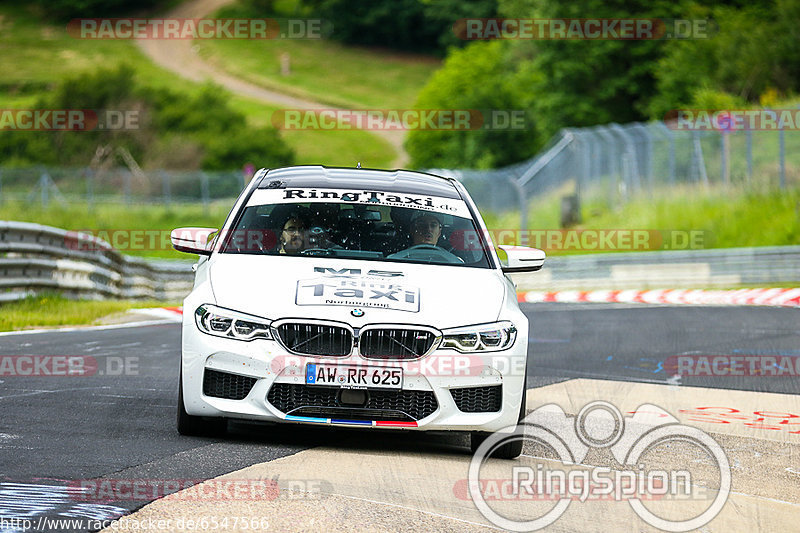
(522, 259)
(192, 240)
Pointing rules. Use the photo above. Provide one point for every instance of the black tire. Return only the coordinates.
(197, 426)
(508, 450)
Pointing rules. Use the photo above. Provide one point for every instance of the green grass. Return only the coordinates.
(323, 70)
(736, 218)
(51, 310)
(35, 55)
(121, 222)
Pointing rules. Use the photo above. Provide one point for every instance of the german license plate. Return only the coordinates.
(354, 377)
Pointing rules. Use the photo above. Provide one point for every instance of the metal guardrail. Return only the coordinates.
(35, 258)
(723, 267)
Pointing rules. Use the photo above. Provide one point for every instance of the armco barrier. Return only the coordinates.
(36, 258)
(724, 267)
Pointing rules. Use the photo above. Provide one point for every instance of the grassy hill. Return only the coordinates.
(35, 55)
(322, 70)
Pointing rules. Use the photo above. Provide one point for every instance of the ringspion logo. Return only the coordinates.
(600, 425)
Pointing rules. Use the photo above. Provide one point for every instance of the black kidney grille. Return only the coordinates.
(395, 343)
(478, 399)
(324, 401)
(224, 385)
(316, 339)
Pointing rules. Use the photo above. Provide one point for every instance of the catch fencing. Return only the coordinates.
(611, 164)
(51, 186)
(602, 165)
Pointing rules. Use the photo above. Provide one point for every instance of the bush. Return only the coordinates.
(482, 76)
(202, 127)
(414, 25)
(755, 53)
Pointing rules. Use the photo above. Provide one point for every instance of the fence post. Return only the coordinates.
(44, 185)
(126, 176)
(749, 138)
(204, 190)
(699, 160)
(648, 136)
(89, 188)
(586, 174)
(725, 169)
(612, 156)
(782, 156)
(166, 187)
(672, 158)
(523, 202)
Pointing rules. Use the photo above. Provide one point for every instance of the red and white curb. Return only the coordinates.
(771, 297)
(174, 314)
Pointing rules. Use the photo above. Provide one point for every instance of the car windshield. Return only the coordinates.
(440, 232)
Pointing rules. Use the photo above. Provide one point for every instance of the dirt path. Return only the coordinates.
(180, 57)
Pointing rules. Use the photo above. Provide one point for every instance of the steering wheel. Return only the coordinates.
(434, 250)
(315, 251)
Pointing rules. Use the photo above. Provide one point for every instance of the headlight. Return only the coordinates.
(230, 324)
(483, 338)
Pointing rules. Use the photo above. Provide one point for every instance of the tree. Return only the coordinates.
(483, 77)
(202, 126)
(756, 51)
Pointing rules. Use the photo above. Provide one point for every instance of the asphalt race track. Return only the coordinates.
(58, 433)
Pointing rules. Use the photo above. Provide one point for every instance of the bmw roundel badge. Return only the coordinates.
(357, 312)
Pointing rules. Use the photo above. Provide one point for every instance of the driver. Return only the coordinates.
(426, 228)
(292, 239)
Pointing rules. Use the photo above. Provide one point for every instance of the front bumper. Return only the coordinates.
(259, 380)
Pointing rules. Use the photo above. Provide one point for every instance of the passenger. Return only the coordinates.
(292, 240)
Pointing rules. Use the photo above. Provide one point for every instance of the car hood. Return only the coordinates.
(277, 287)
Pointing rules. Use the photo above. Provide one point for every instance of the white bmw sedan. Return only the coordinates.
(353, 297)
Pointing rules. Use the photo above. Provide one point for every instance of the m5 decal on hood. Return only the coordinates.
(358, 291)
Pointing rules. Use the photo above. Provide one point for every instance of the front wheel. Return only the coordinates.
(508, 450)
(196, 426)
